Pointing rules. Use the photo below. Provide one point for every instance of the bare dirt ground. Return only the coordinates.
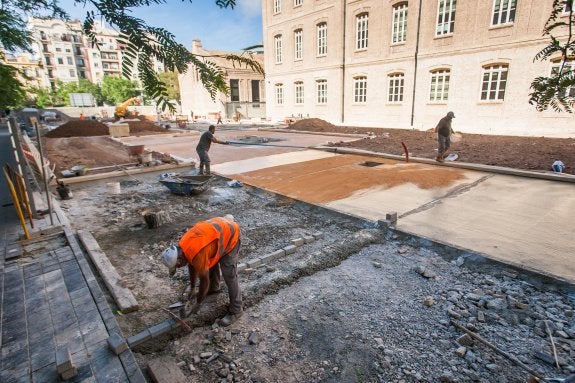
(529, 153)
(356, 305)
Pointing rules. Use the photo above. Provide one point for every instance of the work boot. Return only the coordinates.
(230, 318)
(207, 173)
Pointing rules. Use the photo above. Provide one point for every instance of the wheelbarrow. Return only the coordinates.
(185, 185)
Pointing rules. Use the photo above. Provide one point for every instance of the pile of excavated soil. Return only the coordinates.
(85, 128)
(315, 124)
(144, 126)
(79, 128)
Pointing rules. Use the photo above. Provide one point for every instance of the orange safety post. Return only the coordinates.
(17, 204)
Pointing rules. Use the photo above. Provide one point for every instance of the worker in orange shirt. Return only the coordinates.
(208, 247)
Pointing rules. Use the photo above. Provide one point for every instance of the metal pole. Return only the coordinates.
(48, 194)
(23, 166)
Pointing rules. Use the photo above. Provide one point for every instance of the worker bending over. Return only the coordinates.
(208, 247)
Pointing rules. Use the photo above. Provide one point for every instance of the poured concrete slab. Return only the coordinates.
(521, 221)
(184, 145)
(517, 220)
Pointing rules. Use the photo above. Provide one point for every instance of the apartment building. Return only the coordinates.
(405, 64)
(67, 54)
(31, 69)
(246, 99)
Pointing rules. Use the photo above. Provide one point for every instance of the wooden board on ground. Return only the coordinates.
(165, 370)
(122, 295)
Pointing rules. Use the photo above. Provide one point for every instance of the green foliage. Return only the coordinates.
(116, 90)
(555, 91)
(82, 86)
(143, 43)
(172, 84)
(12, 94)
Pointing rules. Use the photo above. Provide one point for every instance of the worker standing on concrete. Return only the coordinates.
(206, 248)
(204, 146)
(444, 132)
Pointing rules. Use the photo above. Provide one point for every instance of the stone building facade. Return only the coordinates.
(405, 64)
(246, 99)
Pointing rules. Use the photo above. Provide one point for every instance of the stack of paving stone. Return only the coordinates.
(66, 368)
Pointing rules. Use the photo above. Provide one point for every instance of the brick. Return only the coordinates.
(63, 360)
(290, 249)
(277, 254)
(297, 241)
(242, 266)
(318, 235)
(117, 344)
(69, 374)
(308, 238)
(254, 263)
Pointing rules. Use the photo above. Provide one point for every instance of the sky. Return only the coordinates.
(218, 29)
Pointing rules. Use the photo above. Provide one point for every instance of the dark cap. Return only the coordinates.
(450, 114)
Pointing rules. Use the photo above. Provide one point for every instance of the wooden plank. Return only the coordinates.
(122, 173)
(122, 295)
(165, 370)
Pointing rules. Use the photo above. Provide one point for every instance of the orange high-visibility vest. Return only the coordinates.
(224, 230)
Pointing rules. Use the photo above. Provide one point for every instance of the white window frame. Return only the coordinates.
(503, 12)
(321, 90)
(361, 31)
(569, 67)
(494, 82)
(360, 89)
(322, 39)
(279, 93)
(277, 6)
(395, 86)
(298, 92)
(297, 3)
(439, 85)
(399, 23)
(298, 44)
(278, 48)
(445, 17)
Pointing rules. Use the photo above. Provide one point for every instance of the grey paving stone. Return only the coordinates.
(297, 241)
(117, 344)
(161, 328)
(131, 367)
(74, 282)
(10, 376)
(106, 366)
(82, 295)
(308, 238)
(94, 333)
(63, 359)
(290, 249)
(16, 346)
(254, 263)
(32, 270)
(139, 338)
(88, 316)
(47, 373)
(42, 358)
(52, 267)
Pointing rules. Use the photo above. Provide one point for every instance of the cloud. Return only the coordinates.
(250, 8)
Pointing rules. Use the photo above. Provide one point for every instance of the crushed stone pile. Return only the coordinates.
(79, 128)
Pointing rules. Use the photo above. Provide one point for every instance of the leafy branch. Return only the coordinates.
(557, 90)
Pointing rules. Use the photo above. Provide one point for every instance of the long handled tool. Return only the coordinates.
(497, 350)
(279, 146)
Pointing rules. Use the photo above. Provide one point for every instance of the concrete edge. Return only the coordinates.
(461, 165)
(451, 252)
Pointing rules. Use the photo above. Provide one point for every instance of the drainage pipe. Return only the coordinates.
(415, 63)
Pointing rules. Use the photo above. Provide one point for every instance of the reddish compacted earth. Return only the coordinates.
(527, 153)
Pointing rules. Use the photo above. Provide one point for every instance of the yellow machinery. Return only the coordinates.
(122, 109)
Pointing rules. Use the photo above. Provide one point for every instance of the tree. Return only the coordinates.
(143, 42)
(557, 90)
(83, 85)
(116, 89)
(12, 94)
(172, 84)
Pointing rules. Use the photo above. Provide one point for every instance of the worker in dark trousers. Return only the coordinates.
(207, 248)
(204, 146)
(444, 131)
